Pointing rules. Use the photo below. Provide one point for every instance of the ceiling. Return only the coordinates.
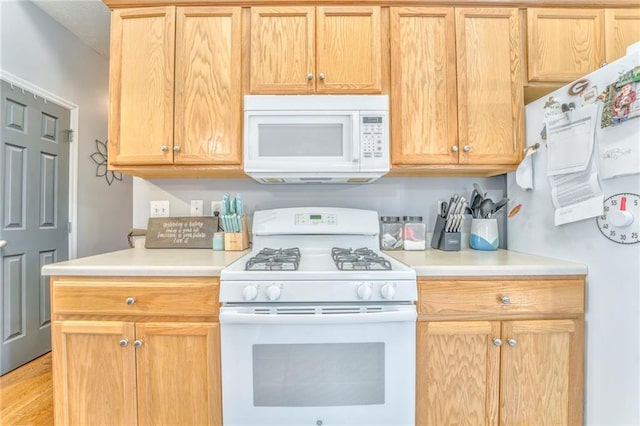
(89, 20)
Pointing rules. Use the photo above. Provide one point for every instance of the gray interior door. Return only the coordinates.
(34, 188)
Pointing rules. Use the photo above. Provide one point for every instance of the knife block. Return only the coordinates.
(235, 241)
(441, 240)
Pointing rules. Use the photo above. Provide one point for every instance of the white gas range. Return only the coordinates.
(317, 325)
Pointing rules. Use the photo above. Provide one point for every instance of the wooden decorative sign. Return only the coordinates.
(181, 232)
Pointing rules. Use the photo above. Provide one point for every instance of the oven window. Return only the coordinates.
(301, 140)
(313, 375)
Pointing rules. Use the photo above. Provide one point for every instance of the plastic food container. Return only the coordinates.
(390, 233)
(414, 233)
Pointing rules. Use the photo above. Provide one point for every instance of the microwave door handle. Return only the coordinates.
(355, 138)
(234, 317)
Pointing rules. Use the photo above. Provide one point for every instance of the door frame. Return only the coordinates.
(73, 149)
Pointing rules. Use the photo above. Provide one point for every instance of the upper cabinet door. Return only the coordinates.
(208, 86)
(622, 28)
(141, 86)
(490, 85)
(564, 44)
(282, 50)
(349, 49)
(423, 86)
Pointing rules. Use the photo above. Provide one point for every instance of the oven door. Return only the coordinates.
(331, 365)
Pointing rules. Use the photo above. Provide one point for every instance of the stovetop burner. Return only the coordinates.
(269, 259)
(347, 259)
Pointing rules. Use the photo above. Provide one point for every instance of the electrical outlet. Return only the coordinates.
(215, 206)
(159, 208)
(196, 208)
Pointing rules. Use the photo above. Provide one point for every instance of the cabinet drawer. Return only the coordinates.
(485, 298)
(135, 296)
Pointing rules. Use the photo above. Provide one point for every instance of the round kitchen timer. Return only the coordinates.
(620, 221)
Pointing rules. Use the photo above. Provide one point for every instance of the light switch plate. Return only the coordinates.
(197, 207)
(159, 208)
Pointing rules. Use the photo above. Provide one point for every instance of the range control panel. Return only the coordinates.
(316, 219)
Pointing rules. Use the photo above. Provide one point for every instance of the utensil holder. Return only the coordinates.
(235, 241)
(484, 234)
(441, 240)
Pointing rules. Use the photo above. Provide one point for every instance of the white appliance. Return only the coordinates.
(316, 138)
(612, 379)
(304, 342)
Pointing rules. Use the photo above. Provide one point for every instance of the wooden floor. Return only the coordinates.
(26, 394)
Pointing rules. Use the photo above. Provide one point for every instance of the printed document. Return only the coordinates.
(575, 191)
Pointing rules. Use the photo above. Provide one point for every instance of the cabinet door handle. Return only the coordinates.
(466, 148)
(176, 148)
(123, 342)
(130, 300)
(497, 342)
(505, 300)
(321, 76)
(310, 76)
(512, 342)
(137, 343)
(164, 148)
(454, 148)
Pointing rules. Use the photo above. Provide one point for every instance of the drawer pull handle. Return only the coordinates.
(137, 343)
(123, 342)
(512, 342)
(497, 342)
(505, 300)
(130, 300)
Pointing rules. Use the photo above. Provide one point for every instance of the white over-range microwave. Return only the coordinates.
(316, 138)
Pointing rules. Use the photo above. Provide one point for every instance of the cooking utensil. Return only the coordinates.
(499, 205)
(486, 207)
(478, 188)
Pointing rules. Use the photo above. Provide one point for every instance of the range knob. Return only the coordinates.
(250, 292)
(364, 291)
(388, 291)
(273, 292)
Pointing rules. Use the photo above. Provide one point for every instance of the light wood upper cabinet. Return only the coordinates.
(564, 44)
(175, 87)
(456, 90)
(331, 49)
(424, 123)
(621, 28)
(208, 97)
(490, 86)
(141, 86)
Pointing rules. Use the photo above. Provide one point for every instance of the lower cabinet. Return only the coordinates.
(480, 367)
(135, 369)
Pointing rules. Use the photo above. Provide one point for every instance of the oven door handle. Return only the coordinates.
(231, 316)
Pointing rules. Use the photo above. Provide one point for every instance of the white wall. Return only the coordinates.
(387, 196)
(37, 49)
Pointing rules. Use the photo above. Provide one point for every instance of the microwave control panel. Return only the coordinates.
(372, 129)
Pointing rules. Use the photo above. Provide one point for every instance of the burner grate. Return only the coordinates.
(347, 259)
(269, 259)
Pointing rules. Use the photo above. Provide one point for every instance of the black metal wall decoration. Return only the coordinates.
(100, 158)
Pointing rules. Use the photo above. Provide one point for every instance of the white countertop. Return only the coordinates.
(469, 262)
(148, 262)
(205, 262)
